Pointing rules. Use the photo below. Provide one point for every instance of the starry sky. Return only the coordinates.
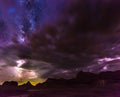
(42, 39)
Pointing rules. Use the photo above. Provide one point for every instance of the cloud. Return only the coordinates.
(82, 32)
(10, 63)
(70, 36)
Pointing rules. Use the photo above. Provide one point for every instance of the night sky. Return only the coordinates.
(42, 39)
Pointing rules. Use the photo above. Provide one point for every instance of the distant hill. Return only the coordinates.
(81, 78)
(10, 84)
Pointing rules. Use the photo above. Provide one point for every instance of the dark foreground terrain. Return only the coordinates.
(105, 84)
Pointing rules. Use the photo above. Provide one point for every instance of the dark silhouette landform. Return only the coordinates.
(86, 84)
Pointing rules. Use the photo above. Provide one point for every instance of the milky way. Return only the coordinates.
(40, 39)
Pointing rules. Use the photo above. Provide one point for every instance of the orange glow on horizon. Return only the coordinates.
(34, 82)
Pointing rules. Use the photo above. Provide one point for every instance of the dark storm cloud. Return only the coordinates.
(33, 64)
(8, 55)
(80, 31)
(84, 30)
